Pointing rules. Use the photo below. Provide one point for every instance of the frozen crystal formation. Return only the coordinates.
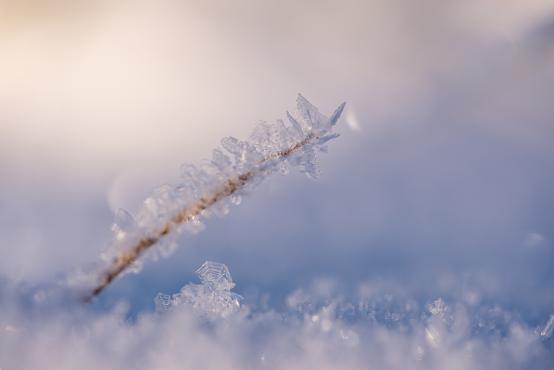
(437, 308)
(213, 298)
(546, 332)
(234, 170)
(216, 275)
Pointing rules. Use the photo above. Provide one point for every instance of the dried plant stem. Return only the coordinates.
(229, 187)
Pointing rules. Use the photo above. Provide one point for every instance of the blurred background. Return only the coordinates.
(441, 181)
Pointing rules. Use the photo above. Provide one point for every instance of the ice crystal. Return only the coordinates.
(211, 188)
(213, 298)
(437, 308)
(216, 275)
(546, 332)
(162, 301)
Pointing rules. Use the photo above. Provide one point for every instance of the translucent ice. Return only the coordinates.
(213, 298)
(437, 308)
(162, 301)
(123, 224)
(546, 332)
(311, 115)
(216, 275)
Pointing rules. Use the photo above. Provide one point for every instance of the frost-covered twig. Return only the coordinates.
(207, 190)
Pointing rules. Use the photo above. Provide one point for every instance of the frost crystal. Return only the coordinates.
(546, 332)
(437, 308)
(216, 275)
(213, 298)
(162, 301)
(211, 188)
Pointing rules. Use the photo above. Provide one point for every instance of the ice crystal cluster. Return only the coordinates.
(212, 298)
(424, 331)
(234, 170)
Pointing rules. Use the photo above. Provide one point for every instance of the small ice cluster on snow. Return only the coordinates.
(211, 188)
(213, 298)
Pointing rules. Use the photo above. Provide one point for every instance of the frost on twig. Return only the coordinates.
(209, 189)
(213, 298)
